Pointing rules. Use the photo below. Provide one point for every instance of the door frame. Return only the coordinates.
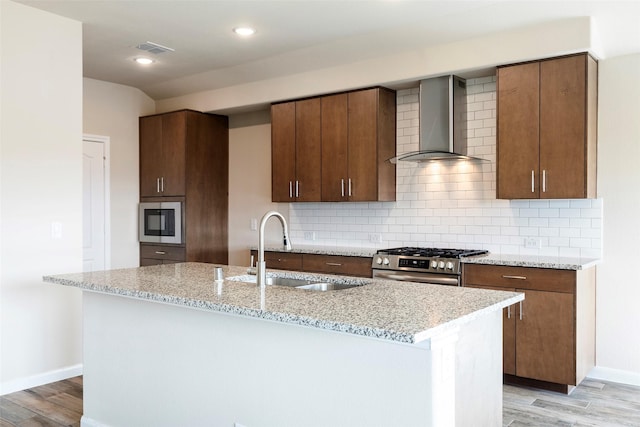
(106, 141)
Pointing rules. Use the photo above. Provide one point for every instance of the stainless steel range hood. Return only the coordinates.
(443, 121)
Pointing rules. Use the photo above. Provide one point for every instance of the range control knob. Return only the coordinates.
(441, 265)
(449, 265)
(379, 261)
(385, 261)
(434, 264)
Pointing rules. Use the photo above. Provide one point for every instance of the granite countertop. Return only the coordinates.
(537, 261)
(396, 311)
(325, 250)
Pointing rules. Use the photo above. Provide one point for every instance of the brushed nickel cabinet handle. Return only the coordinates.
(509, 312)
(335, 264)
(290, 189)
(521, 310)
(342, 186)
(349, 187)
(544, 180)
(504, 276)
(161, 252)
(157, 185)
(533, 187)
(297, 188)
(162, 184)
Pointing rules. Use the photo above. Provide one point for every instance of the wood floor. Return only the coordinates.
(51, 405)
(592, 403)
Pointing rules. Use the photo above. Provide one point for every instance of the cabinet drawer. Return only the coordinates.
(172, 253)
(283, 260)
(335, 264)
(541, 279)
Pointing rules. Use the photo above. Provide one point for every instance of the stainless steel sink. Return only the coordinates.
(304, 284)
(326, 286)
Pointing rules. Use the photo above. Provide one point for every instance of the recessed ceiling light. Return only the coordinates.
(144, 61)
(244, 31)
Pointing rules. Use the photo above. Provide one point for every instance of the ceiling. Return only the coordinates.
(295, 36)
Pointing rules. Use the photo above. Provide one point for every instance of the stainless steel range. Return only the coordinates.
(424, 265)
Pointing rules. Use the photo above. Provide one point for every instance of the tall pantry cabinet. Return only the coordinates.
(184, 157)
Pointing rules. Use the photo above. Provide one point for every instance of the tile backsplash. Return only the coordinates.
(453, 204)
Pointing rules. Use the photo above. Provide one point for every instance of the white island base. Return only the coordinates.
(153, 364)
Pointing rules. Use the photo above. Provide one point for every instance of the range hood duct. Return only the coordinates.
(443, 121)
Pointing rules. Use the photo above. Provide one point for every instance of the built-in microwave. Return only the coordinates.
(160, 222)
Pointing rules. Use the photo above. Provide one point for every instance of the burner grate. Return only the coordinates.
(433, 252)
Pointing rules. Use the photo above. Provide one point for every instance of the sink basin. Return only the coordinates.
(326, 286)
(305, 284)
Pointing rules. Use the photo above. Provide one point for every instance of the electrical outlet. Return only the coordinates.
(254, 224)
(309, 235)
(531, 243)
(375, 238)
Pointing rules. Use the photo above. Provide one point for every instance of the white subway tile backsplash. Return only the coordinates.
(453, 204)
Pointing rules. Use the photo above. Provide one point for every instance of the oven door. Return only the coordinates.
(409, 276)
(160, 222)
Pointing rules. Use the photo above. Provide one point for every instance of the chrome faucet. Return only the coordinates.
(262, 265)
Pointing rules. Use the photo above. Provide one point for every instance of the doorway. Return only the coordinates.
(96, 241)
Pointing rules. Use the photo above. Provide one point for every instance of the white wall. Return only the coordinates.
(618, 279)
(41, 184)
(250, 185)
(112, 110)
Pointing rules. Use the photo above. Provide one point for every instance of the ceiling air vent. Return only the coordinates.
(155, 48)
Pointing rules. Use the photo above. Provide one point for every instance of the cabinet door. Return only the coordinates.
(563, 103)
(173, 154)
(334, 148)
(545, 337)
(308, 151)
(150, 155)
(283, 151)
(518, 132)
(363, 138)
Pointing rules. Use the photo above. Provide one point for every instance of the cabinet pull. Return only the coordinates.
(533, 177)
(349, 187)
(161, 252)
(544, 181)
(162, 184)
(157, 185)
(342, 186)
(514, 277)
(509, 312)
(521, 310)
(290, 190)
(334, 264)
(297, 188)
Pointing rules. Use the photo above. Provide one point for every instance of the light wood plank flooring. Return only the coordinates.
(50, 405)
(592, 403)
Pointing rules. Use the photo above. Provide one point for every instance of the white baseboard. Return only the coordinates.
(89, 422)
(40, 379)
(615, 375)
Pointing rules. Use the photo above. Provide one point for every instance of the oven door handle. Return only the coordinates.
(435, 279)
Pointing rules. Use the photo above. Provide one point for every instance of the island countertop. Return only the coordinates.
(403, 312)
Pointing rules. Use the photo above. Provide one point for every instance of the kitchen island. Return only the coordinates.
(167, 345)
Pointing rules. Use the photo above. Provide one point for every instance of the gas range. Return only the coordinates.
(427, 265)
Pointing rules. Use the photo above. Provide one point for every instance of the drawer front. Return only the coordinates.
(541, 279)
(282, 260)
(169, 253)
(335, 264)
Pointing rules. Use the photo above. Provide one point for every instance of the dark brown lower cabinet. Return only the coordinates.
(549, 338)
(317, 263)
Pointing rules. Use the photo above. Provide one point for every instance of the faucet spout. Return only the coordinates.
(262, 265)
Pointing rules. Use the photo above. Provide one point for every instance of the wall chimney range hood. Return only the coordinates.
(443, 121)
